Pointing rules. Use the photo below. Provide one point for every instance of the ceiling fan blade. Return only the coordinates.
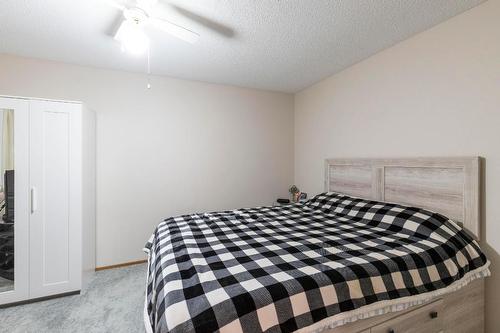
(174, 29)
(146, 5)
(116, 4)
(215, 26)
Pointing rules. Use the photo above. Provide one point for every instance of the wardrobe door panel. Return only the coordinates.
(14, 177)
(55, 226)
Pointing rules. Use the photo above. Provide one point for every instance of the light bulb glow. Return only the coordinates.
(132, 38)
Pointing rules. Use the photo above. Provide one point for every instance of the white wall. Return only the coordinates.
(180, 147)
(436, 94)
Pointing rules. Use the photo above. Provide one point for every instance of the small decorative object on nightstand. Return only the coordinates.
(295, 192)
(297, 196)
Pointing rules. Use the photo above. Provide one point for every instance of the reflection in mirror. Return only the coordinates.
(6, 200)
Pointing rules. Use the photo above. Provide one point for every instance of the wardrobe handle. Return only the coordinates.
(34, 200)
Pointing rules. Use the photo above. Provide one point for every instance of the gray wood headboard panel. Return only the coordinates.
(449, 186)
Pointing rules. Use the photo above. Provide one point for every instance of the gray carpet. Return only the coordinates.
(113, 302)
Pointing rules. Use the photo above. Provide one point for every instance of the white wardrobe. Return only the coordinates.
(47, 222)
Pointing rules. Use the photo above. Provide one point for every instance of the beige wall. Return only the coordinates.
(436, 94)
(180, 147)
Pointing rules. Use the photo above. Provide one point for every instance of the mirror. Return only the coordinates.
(6, 200)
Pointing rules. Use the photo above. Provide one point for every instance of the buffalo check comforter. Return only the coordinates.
(287, 268)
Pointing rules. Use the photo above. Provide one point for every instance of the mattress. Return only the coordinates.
(302, 267)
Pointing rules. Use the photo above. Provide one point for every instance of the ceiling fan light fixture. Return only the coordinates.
(132, 37)
(131, 34)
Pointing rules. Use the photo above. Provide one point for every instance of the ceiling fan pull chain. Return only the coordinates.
(149, 68)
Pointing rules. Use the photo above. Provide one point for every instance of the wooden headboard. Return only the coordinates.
(449, 186)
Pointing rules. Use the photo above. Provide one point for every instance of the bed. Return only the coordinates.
(374, 251)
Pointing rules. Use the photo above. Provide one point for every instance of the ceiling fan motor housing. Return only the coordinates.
(135, 14)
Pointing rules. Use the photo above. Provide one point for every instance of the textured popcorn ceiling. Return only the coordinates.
(283, 45)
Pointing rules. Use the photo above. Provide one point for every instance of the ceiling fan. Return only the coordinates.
(131, 32)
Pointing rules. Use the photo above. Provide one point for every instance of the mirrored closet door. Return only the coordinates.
(14, 152)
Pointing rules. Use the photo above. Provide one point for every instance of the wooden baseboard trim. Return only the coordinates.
(125, 264)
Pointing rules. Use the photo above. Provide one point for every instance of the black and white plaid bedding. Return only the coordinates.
(279, 269)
